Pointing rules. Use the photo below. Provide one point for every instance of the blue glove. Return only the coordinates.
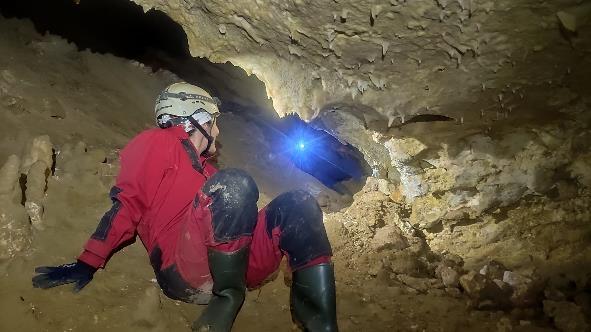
(78, 273)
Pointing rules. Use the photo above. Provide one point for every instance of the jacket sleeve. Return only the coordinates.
(143, 166)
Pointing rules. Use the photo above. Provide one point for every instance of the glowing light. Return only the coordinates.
(301, 145)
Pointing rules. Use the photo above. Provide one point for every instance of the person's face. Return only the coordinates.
(200, 141)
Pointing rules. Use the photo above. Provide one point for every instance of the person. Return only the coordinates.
(206, 240)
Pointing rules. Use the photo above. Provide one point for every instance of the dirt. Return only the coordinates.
(89, 105)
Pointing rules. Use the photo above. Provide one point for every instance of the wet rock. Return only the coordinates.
(567, 316)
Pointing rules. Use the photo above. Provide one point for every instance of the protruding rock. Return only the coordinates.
(493, 270)
(389, 237)
(406, 262)
(524, 289)
(571, 18)
(39, 149)
(427, 211)
(452, 260)
(35, 193)
(484, 293)
(449, 277)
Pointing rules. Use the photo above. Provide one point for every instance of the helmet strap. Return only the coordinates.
(203, 132)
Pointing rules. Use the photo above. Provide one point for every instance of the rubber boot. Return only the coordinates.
(313, 298)
(228, 271)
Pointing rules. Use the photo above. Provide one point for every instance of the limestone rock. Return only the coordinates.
(9, 179)
(449, 277)
(568, 317)
(484, 293)
(389, 237)
(525, 290)
(406, 262)
(14, 225)
(375, 184)
(493, 270)
(40, 149)
(453, 260)
(427, 211)
(36, 184)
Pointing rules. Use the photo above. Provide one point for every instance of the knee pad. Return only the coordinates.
(234, 196)
(302, 233)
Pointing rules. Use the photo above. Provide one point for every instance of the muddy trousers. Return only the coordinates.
(291, 225)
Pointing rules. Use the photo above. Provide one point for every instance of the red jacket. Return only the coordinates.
(155, 188)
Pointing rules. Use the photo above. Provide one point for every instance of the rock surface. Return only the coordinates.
(567, 316)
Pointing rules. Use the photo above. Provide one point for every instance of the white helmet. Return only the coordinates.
(179, 101)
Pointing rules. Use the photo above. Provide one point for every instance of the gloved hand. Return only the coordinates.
(79, 273)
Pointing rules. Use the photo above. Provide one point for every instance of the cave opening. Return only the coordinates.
(123, 29)
(339, 166)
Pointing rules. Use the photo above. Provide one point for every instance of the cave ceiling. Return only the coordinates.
(394, 58)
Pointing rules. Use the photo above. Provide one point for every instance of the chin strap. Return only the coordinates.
(205, 134)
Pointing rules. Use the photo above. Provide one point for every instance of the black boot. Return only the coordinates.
(313, 298)
(228, 271)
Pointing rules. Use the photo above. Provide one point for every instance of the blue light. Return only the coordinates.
(301, 145)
